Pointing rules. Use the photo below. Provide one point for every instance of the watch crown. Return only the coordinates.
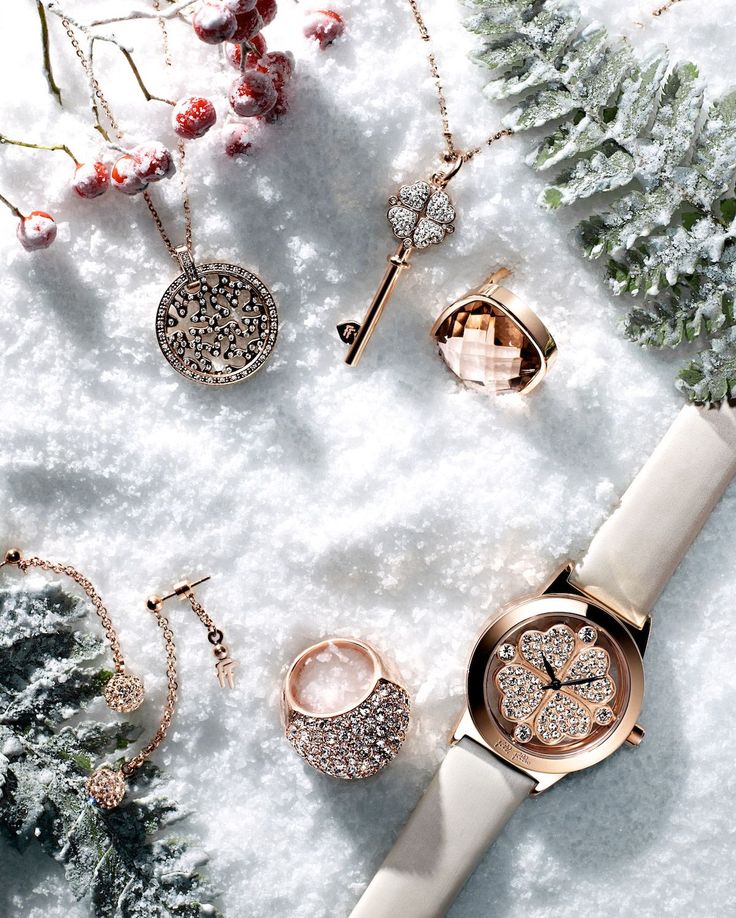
(636, 736)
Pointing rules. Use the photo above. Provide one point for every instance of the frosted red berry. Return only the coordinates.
(249, 25)
(36, 231)
(240, 6)
(280, 108)
(125, 178)
(91, 179)
(236, 139)
(213, 22)
(280, 66)
(253, 94)
(324, 26)
(233, 52)
(193, 117)
(153, 161)
(267, 9)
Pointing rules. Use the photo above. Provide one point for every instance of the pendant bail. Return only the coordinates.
(188, 268)
(442, 178)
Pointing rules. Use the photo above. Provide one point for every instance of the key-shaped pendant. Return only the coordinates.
(421, 215)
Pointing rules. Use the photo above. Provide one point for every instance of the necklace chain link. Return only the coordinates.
(451, 151)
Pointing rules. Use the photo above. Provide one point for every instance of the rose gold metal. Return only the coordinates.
(358, 335)
(636, 737)
(384, 679)
(491, 298)
(481, 725)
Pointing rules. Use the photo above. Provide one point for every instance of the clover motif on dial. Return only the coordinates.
(556, 713)
(421, 214)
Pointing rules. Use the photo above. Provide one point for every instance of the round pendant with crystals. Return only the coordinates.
(218, 327)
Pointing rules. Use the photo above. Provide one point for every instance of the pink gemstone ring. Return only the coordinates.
(492, 341)
(344, 708)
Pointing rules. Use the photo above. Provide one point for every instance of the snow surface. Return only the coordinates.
(385, 501)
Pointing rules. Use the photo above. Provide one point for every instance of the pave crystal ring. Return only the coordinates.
(344, 709)
(492, 341)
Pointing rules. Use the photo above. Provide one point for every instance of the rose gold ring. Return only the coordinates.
(492, 341)
(352, 732)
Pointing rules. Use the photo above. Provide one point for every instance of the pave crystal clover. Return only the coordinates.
(124, 692)
(106, 788)
(571, 711)
(421, 214)
(356, 744)
(221, 333)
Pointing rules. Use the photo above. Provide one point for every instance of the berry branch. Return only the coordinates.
(53, 85)
(11, 207)
(39, 146)
(149, 96)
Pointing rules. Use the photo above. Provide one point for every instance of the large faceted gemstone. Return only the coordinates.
(487, 350)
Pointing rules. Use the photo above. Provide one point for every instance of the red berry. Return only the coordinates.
(125, 177)
(153, 161)
(324, 26)
(91, 180)
(279, 110)
(280, 66)
(240, 6)
(214, 23)
(267, 9)
(236, 139)
(193, 117)
(249, 25)
(36, 231)
(253, 94)
(233, 52)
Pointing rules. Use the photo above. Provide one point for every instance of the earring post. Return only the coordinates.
(185, 587)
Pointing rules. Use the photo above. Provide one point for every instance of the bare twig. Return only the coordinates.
(11, 207)
(148, 95)
(170, 13)
(53, 85)
(39, 146)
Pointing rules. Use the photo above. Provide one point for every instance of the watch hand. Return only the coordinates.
(548, 667)
(583, 681)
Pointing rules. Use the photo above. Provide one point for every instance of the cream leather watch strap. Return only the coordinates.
(637, 549)
(470, 800)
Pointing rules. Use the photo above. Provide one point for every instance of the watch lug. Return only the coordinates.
(466, 728)
(560, 583)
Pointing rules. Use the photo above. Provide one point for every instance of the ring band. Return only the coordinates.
(355, 741)
(493, 341)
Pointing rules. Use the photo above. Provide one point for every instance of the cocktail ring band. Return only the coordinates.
(356, 726)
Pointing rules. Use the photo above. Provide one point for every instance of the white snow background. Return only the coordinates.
(385, 501)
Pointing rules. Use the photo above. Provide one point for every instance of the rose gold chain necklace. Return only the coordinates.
(451, 153)
(420, 214)
(124, 692)
(216, 323)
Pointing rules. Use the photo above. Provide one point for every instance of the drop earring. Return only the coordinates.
(124, 691)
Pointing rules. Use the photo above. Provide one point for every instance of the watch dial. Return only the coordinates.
(556, 683)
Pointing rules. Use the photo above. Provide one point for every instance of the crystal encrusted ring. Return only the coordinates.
(344, 708)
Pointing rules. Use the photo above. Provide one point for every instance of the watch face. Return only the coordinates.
(555, 684)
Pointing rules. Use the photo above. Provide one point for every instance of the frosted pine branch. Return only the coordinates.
(637, 130)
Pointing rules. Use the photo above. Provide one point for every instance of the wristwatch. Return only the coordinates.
(555, 682)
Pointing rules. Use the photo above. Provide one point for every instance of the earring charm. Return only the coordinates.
(355, 739)
(124, 691)
(491, 340)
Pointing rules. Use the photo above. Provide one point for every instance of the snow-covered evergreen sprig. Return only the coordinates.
(124, 863)
(636, 129)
